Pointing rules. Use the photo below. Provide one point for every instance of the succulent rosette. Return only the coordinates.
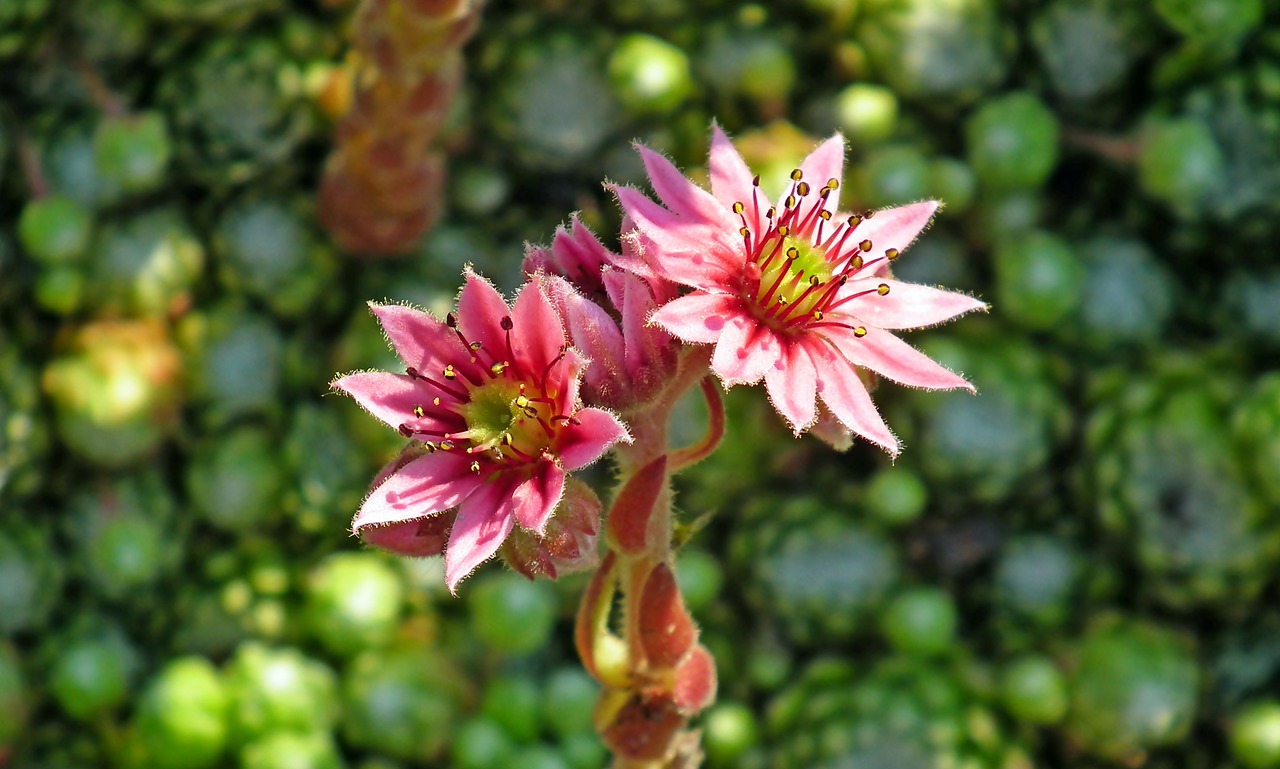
(490, 400)
(793, 292)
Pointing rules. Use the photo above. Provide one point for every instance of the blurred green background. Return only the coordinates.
(1075, 568)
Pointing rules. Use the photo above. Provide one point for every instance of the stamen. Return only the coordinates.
(419, 412)
(891, 254)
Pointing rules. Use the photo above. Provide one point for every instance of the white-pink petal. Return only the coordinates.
(699, 317)
(792, 384)
(826, 162)
(681, 195)
(484, 521)
(892, 358)
(844, 394)
(895, 227)
(907, 305)
(731, 179)
(745, 351)
(427, 485)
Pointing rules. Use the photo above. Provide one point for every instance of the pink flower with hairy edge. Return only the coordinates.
(607, 312)
(793, 293)
(490, 397)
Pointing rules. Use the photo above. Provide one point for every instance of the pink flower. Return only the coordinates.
(490, 399)
(794, 293)
(607, 310)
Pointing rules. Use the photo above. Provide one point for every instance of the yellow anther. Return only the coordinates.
(793, 253)
(883, 289)
(891, 253)
(797, 175)
(738, 207)
(860, 331)
(419, 412)
(853, 221)
(449, 373)
(833, 183)
(865, 246)
(856, 262)
(435, 401)
(825, 215)
(743, 231)
(791, 201)
(802, 188)
(817, 315)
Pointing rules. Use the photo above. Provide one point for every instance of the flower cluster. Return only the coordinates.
(500, 402)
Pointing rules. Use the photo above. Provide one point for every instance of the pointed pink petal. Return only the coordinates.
(585, 442)
(646, 343)
(389, 397)
(538, 334)
(682, 196)
(536, 497)
(592, 329)
(745, 351)
(698, 317)
(484, 521)
(698, 249)
(907, 305)
(417, 539)
(843, 392)
(418, 338)
(480, 312)
(426, 485)
(824, 163)
(894, 359)
(538, 259)
(792, 384)
(894, 227)
(731, 180)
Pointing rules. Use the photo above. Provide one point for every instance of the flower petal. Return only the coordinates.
(699, 317)
(484, 521)
(895, 227)
(682, 196)
(536, 497)
(745, 351)
(792, 384)
(907, 305)
(418, 338)
(592, 329)
(824, 163)
(842, 391)
(426, 485)
(389, 397)
(480, 312)
(538, 334)
(416, 539)
(682, 250)
(585, 442)
(731, 179)
(894, 359)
